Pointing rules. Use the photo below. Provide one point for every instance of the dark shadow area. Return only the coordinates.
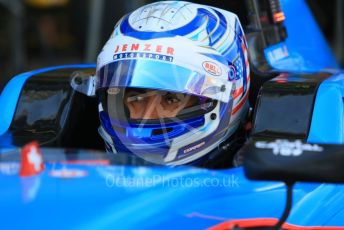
(35, 35)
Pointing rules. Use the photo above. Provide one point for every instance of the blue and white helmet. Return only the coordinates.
(172, 82)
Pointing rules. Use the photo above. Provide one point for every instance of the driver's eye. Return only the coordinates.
(134, 96)
(171, 98)
(137, 98)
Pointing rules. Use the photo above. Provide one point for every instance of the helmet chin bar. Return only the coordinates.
(183, 141)
(83, 83)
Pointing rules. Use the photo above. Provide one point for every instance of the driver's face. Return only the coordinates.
(154, 104)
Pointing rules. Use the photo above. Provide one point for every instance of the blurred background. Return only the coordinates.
(40, 33)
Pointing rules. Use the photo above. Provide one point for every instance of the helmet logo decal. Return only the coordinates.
(136, 50)
(145, 47)
(194, 147)
(212, 68)
(113, 91)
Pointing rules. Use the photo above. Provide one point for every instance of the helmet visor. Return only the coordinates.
(152, 74)
(158, 110)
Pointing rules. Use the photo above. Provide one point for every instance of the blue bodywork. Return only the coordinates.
(149, 197)
(327, 122)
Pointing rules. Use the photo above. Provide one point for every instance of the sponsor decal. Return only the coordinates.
(194, 147)
(113, 91)
(68, 173)
(288, 148)
(9, 168)
(86, 162)
(212, 68)
(150, 51)
(131, 55)
(32, 160)
(144, 48)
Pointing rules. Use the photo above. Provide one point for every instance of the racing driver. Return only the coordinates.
(172, 83)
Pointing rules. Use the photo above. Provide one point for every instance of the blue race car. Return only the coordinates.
(91, 189)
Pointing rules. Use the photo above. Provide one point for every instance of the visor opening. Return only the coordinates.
(157, 132)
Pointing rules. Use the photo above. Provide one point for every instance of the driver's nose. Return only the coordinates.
(150, 110)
